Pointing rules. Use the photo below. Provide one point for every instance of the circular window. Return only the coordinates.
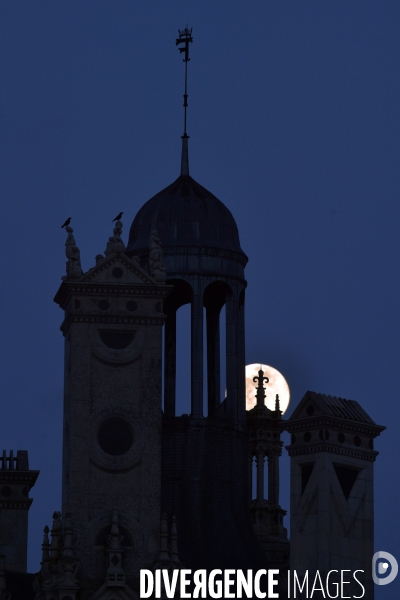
(117, 272)
(115, 437)
(307, 436)
(357, 441)
(131, 305)
(6, 491)
(340, 437)
(310, 410)
(104, 305)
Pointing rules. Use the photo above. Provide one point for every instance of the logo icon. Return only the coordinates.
(384, 563)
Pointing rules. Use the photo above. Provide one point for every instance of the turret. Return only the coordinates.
(16, 480)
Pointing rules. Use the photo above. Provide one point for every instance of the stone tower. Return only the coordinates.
(332, 502)
(16, 479)
(265, 427)
(205, 452)
(112, 406)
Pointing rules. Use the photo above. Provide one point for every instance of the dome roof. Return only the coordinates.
(185, 214)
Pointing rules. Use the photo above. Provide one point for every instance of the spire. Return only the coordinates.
(115, 575)
(56, 536)
(68, 566)
(277, 405)
(173, 552)
(185, 38)
(68, 532)
(185, 155)
(45, 545)
(163, 554)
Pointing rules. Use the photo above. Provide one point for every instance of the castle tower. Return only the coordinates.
(205, 452)
(265, 427)
(112, 404)
(123, 455)
(205, 265)
(16, 479)
(332, 512)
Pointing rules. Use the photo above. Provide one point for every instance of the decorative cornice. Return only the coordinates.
(68, 288)
(19, 477)
(20, 504)
(124, 288)
(315, 448)
(109, 320)
(196, 251)
(254, 421)
(316, 422)
(124, 260)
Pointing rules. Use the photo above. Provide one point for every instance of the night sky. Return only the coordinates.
(294, 124)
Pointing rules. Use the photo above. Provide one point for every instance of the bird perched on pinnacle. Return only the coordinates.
(67, 222)
(117, 218)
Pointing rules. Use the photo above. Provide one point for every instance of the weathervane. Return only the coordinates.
(185, 38)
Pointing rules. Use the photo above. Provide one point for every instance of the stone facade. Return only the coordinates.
(112, 411)
(264, 429)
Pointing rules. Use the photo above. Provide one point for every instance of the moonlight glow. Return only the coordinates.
(277, 385)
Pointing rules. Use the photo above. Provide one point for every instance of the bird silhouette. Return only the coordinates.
(67, 222)
(117, 218)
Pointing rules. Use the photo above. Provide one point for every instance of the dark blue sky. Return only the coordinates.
(294, 124)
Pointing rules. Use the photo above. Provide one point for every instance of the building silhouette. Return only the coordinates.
(145, 488)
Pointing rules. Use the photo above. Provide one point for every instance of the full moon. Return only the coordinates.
(277, 385)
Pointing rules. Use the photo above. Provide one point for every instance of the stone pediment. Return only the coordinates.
(314, 404)
(118, 268)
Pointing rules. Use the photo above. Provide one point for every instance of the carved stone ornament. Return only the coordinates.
(115, 243)
(157, 269)
(74, 269)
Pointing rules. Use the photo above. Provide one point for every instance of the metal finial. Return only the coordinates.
(185, 38)
(260, 395)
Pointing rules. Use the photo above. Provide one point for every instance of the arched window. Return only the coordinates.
(177, 342)
(215, 297)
